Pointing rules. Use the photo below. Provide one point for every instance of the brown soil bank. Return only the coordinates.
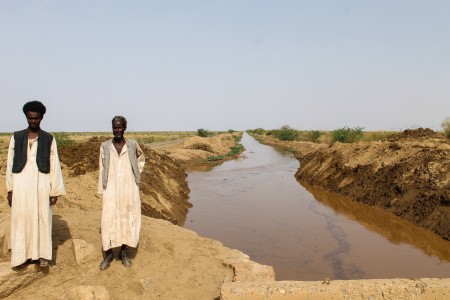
(164, 191)
(408, 175)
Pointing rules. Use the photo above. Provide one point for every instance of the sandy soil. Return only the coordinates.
(172, 262)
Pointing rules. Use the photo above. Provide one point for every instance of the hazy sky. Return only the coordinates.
(237, 64)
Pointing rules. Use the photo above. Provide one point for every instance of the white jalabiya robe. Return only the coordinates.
(121, 213)
(31, 215)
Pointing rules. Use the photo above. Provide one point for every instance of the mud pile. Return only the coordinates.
(408, 175)
(164, 190)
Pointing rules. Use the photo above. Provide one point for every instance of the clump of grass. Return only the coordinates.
(293, 151)
(215, 158)
(237, 137)
(314, 135)
(236, 149)
(347, 135)
(377, 135)
(63, 139)
(146, 140)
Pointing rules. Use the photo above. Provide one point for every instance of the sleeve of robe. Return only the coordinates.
(9, 164)
(100, 171)
(140, 158)
(56, 178)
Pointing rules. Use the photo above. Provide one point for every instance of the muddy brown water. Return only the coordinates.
(254, 204)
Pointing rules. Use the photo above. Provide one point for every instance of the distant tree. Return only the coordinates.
(203, 132)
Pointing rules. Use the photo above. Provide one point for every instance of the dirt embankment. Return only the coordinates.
(170, 263)
(408, 175)
(164, 191)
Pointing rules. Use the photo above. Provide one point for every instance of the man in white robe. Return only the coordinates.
(34, 182)
(120, 163)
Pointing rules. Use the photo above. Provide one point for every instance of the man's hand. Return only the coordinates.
(10, 198)
(53, 200)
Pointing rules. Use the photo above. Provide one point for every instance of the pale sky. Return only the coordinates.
(233, 64)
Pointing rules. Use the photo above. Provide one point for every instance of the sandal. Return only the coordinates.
(43, 262)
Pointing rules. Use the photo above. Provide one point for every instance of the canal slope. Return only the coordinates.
(407, 175)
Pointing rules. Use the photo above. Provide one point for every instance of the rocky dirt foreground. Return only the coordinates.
(171, 262)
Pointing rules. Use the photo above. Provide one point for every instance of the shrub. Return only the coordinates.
(286, 133)
(63, 139)
(203, 132)
(314, 135)
(259, 131)
(446, 126)
(347, 135)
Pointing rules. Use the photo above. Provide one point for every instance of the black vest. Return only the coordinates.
(43, 151)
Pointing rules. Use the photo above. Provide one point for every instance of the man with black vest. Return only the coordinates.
(121, 162)
(34, 182)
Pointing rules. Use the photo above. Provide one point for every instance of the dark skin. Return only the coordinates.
(34, 127)
(118, 130)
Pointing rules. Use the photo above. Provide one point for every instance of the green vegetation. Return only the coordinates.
(259, 131)
(63, 139)
(203, 132)
(314, 135)
(347, 135)
(446, 126)
(236, 149)
(146, 140)
(286, 133)
(344, 135)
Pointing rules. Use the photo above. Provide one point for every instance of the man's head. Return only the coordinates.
(119, 125)
(34, 111)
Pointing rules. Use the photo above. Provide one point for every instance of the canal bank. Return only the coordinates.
(254, 204)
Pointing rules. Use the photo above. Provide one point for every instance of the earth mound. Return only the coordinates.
(407, 175)
(416, 134)
(164, 190)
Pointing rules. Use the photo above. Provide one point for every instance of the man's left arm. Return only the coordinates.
(56, 178)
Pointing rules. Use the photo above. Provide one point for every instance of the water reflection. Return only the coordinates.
(393, 228)
(255, 204)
